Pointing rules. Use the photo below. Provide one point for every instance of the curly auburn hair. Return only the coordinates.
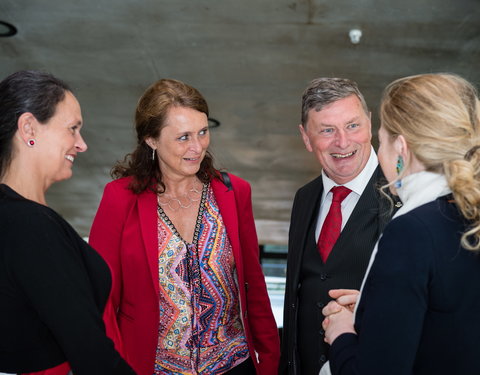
(150, 118)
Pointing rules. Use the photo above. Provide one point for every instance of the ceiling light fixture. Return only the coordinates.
(355, 35)
(7, 29)
(213, 123)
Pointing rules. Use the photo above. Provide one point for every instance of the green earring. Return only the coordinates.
(399, 165)
(398, 183)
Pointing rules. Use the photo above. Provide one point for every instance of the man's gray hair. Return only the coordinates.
(323, 91)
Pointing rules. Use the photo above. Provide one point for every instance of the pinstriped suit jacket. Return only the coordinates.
(345, 267)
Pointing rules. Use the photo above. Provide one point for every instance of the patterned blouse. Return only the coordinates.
(200, 329)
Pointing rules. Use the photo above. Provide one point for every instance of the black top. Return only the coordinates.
(53, 289)
(420, 306)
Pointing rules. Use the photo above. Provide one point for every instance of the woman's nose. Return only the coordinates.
(195, 145)
(80, 144)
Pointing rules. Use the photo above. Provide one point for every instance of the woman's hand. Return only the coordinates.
(338, 320)
(339, 313)
(345, 297)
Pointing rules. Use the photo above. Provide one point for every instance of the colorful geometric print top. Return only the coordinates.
(200, 330)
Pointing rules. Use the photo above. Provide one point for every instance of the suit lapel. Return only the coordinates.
(312, 205)
(364, 219)
(228, 209)
(308, 213)
(147, 212)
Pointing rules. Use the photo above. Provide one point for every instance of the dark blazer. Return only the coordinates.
(125, 234)
(345, 268)
(420, 306)
(53, 289)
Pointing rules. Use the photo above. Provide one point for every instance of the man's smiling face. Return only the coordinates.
(340, 136)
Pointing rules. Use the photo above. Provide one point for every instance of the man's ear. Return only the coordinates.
(27, 124)
(306, 139)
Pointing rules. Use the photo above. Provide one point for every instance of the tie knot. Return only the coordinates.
(340, 193)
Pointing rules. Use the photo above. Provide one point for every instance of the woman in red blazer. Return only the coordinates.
(189, 294)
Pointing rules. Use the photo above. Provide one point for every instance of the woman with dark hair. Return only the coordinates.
(53, 285)
(189, 293)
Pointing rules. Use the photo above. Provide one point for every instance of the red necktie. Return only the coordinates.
(333, 222)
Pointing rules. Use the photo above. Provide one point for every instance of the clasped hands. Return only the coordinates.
(339, 313)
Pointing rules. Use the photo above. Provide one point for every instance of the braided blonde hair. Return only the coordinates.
(439, 117)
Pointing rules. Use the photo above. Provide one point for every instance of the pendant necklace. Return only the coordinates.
(184, 201)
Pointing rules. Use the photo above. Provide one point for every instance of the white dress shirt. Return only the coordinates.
(357, 186)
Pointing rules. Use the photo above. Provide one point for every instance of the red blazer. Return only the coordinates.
(124, 232)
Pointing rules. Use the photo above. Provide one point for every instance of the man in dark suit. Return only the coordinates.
(336, 127)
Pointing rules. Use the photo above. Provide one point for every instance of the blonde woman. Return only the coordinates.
(419, 307)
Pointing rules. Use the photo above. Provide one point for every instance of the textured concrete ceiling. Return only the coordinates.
(250, 58)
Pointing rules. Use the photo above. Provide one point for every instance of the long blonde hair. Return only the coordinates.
(439, 117)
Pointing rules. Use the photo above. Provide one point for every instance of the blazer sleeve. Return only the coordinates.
(393, 305)
(105, 238)
(260, 317)
(54, 280)
(106, 233)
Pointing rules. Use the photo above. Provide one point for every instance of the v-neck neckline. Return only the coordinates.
(198, 221)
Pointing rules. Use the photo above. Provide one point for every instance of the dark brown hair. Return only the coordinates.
(150, 118)
(26, 91)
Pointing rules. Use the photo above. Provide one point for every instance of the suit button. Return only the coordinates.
(323, 277)
(293, 306)
(299, 286)
(320, 305)
(321, 332)
(322, 359)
